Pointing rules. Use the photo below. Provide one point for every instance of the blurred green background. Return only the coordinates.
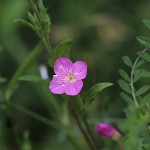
(102, 31)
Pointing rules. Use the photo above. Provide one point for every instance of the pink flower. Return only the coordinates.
(105, 129)
(68, 76)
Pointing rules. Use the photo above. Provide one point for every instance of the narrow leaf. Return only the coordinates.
(142, 90)
(146, 73)
(147, 22)
(124, 85)
(127, 61)
(144, 55)
(146, 99)
(143, 133)
(146, 140)
(137, 75)
(33, 78)
(144, 40)
(124, 75)
(93, 91)
(139, 64)
(126, 98)
(24, 22)
(62, 48)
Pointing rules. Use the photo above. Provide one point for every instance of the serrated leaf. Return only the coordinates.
(147, 22)
(124, 75)
(127, 61)
(139, 64)
(62, 47)
(124, 85)
(93, 91)
(137, 75)
(146, 140)
(145, 100)
(142, 90)
(33, 78)
(144, 55)
(144, 40)
(2, 80)
(126, 98)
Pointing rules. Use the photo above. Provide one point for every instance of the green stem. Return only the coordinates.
(132, 84)
(35, 116)
(83, 116)
(84, 133)
(22, 69)
(74, 144)
(44, 37)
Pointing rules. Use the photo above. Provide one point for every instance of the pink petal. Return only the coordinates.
(63, 66)
(80, 70)
(73, 88)
(56, 87)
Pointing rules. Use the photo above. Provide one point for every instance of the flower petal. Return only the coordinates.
(73, 88)
(63, 66)
(56, 87)
(80, 70)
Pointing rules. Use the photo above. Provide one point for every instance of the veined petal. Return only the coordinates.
(56, 87)
(63, 66)
(80, 70)
(73, 88)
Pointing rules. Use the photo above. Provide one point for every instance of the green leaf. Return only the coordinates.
(144, 55)
(146, 99)
(124, 85)
(144, 40)
(33, 78)
(146, 73)
(147, 22)
(45, 17)
(62, 48)
(93, 91)
(142, 90)
(127, 61)
(126, 98)
(24, 22)
(146, 140)
(139, 64)
(124, 75)
(143, 133)
(2, 80)
(60, 51)
(137, 75)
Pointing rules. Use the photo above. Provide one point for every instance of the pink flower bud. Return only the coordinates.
(105, 129)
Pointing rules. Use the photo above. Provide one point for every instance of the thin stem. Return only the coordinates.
(22, 69)
(132, 84)
(74, 144)
(14, 130)
(83, 116)
(74, 114)
(35, 116)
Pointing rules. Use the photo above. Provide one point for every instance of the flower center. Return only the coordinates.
(71, 78)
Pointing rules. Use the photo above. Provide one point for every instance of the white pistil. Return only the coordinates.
(60, 67)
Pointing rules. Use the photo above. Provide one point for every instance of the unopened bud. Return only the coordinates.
(105, 129)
